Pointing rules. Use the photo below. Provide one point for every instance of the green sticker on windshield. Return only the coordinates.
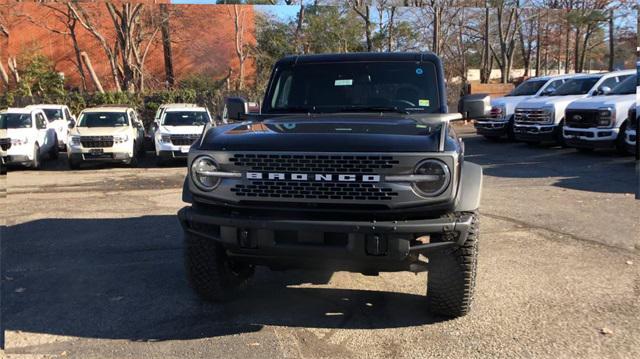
(423, 103)
(346, 82)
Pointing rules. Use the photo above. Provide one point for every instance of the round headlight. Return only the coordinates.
(437, 177)
(203, 173)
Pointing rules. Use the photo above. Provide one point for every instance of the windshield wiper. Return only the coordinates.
(373, 109)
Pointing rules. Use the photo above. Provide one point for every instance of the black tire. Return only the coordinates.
(511, 135)
(621, 145)
(452, 275)
(559, 135)
(133, 161)
(213, 276)
(35, 164)
(54, 151)
(74, 165)
(161, 162)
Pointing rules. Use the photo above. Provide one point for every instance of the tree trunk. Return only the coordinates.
(77, 51)
(13, 67)
(298, 34)
(367, 29)
(566, 48)
(435, 45)
(485, 73)
(390, 26)
(4, 76)
(611, 42)
(92, 73)
(166, 45)
(538, 42)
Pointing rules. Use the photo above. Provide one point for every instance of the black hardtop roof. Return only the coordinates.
(360, 56)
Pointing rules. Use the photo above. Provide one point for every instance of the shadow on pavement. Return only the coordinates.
(124, 279)
(599, 171)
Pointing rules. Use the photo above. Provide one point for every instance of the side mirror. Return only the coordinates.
(547, 92)
(71, 124)
(235, 108)
(475, 106)
(604, 90)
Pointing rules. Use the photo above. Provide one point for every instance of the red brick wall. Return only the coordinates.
(203, 38)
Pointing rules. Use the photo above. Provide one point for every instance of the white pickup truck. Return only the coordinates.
(600, 121)
(178, 126)
(31, 138)
(59, 118)
(500, 121)
(541, 119)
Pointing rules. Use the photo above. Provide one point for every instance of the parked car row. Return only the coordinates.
(112, 133)
(585, 111)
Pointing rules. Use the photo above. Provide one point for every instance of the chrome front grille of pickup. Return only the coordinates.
(527, 116)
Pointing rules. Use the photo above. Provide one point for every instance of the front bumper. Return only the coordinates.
(490, 127)
(19, 154)
(536, 133)
(590, 137)
(121, 152)
(179, 154)
(358, 246)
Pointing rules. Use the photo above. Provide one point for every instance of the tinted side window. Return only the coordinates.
(554, 85)
(610, 83)
(41, 122)
(67, 114)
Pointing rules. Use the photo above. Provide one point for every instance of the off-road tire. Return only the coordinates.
(210, 272)
(452, 275)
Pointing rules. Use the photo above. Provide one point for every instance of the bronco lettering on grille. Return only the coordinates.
(320, 177)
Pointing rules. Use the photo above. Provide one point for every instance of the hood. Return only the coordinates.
(99, 131)
(327, 133)
(546, 101)
(509, 102)
(181, 130)
(613, 101)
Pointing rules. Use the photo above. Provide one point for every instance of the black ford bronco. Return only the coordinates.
(351, 164)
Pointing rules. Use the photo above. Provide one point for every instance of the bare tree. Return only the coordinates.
(239, 22)
(361, 7)
(127, 55)
(507, 28)
(166, 45)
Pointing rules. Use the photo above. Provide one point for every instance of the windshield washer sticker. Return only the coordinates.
(423, 103)
(289, 126)
(419, 71)
(345, 82)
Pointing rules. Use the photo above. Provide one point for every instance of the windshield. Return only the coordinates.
(626, 87)
(400, 86)
(185, 118)
(15, 120)
(528, 88)
(579, 86)
(53, 114)
(103, 119)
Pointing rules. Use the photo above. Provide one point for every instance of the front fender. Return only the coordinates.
(186, 193)
(470, 190)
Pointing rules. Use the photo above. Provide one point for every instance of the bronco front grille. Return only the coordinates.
(524, 115)
(314, 163)
(184, 140)
(5, 143)
(96, 141)
(581, 118)
(314, 190)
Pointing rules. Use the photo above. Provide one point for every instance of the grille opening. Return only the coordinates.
(96, 141)
(314, 190)
(313, 163)
(184, 140)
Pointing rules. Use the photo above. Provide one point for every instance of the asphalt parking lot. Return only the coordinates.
(93, 269)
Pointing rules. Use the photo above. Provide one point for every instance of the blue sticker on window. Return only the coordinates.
(289, 126)
(419, 71)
